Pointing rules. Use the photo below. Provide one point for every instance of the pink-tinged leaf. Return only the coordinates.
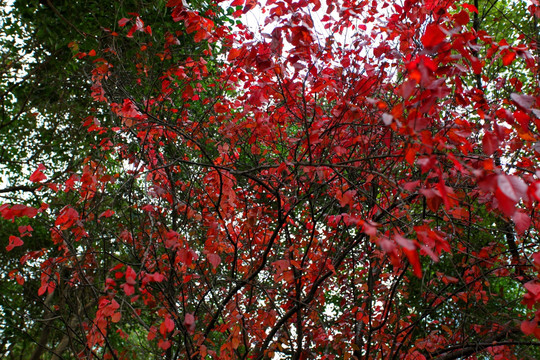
(490, 143)
(411, 186)
(512, 186)
(214, 259)
(510, 189)
(128, 289)
(387, 119)
(524, 101)
(433, 36)
(407, 88)
(426, 250)
(404, 242)
(14, 242)
(522, 221)
(139, 23)
(122, 22)
(369, 229)
(189, 322)
(387, 246)
(528, 327)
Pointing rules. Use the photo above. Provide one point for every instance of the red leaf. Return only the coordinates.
(534, 190)
(67, 218)
(414, 259)
(14, 241)
(508, 58)
(528, 327)
(234, 53)
(470, 7)
(151, 333)
(433, 36)
(533, 287)
(536, 260)
(27, 211)
(107, 213)
(20, 280)
(164, 344)
(131, 276)
(25, 230)
(409, 248)
(42, 289)
(166, 326)
(250, 4)
(116, 317)
(131, 31)
(37, 175)
(220, 108)
(462, 18)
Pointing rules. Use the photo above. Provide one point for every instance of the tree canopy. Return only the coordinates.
(342, 180)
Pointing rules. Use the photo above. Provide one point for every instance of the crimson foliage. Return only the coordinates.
(356, 180)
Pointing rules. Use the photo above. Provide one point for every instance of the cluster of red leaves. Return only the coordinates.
(307, 169)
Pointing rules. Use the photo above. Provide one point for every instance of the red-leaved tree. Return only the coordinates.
(354, 180)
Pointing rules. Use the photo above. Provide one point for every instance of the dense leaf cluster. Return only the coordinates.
(351, 180)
